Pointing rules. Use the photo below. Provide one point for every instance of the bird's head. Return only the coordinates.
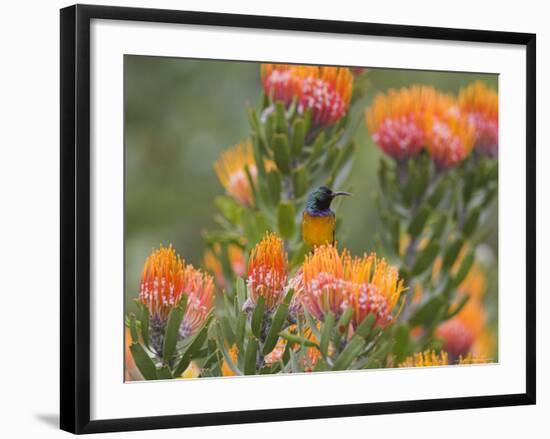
(318, 201)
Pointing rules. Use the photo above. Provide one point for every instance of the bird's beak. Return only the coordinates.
(335, 194)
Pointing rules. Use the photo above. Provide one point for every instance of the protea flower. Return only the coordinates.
(334, 282)
(425, 359)
(480, 105)
(267, 272)
(395, 120)
(231, 170)
(165, 279)
(460, 332)
(449, 134)
(324, 90)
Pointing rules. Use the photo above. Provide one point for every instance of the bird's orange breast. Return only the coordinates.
(318, 230)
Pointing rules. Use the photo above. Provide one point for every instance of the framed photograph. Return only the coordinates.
(268, 218)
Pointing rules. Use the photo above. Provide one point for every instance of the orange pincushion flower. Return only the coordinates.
(480, 104)
(449, 134)
(231, 170)
(395, 120)
(332, 282)
(267, 272)
(425, 359)
(166, 279)
(324, 90)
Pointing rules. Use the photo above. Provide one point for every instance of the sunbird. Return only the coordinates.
(318, 221)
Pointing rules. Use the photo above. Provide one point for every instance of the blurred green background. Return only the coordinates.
(181, 114)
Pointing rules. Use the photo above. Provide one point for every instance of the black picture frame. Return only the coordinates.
(75, 217)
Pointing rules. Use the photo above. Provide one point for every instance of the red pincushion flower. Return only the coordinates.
(480, 104)
(166, 279)
(326, 91)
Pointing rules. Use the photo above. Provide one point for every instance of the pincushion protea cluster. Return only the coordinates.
(333, 282)
(271, 305)
(325, 90)
(407, 121)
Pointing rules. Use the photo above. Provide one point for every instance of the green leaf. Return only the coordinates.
(251, 183)
(289, 295)
(145, 324)
(438, 193)
(439, 227)
(345, 154)
(227, 330)
(258, 316)
(345, 318)
(326, 332)
(471, 221)
(419, 220)
(458, 307)
(270, 125)
(277, 323)
(320, 366)
(171, 334)
(317, 149)
(296, 339)
(281, 153)
(241, 292)
(349, 354)
(364, 329)
(426, 312)
(300, 181)
(240, 330)
(250, 229)
(412, 182)
(133, 328)
(163, 373)
(251, 356)
(286, 214)
(143, 362)
(401, 342)
(452, 253)
(395, 235)
(425, 258)
(376, 357)
(274, 186)
(383, 174)
(281, 123)
(253, 119)
(464, 269)
(222, 348)
(258, 157)
(192, 349)
(298, 136)
(307, 118)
